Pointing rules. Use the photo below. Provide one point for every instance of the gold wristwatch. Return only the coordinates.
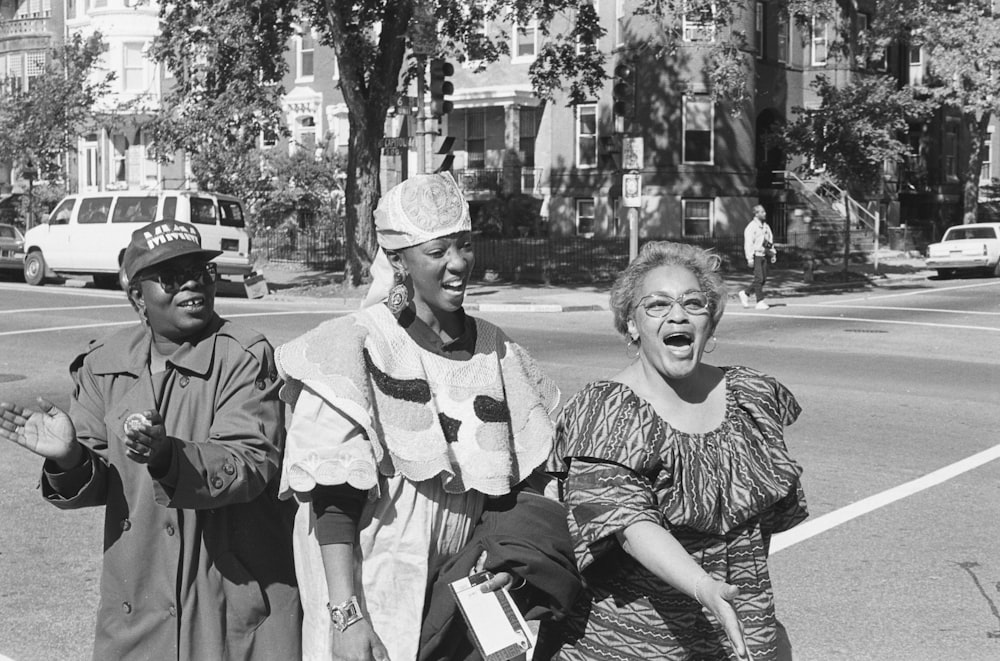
(346, 614)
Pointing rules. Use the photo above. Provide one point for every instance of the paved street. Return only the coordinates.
(898, 438)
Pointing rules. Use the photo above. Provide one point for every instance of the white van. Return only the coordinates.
(87, 233)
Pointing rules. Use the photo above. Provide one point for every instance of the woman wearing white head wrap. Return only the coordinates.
(407, 417)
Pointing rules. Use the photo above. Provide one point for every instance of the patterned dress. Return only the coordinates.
(721, 494)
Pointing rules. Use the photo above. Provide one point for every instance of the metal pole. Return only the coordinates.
(421, 116)
(633, 233)
(878, 215)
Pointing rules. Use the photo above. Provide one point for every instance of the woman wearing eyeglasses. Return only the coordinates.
(175, 426)
(675, 475)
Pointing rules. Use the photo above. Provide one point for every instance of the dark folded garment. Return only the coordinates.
(522, 533)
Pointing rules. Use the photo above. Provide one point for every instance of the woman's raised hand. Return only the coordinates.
(48, 433)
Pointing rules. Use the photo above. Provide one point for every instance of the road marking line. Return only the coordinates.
(889, 307)
(922, 291)
(63, 309)
(833, 519)
(866, 321)
(30, 331)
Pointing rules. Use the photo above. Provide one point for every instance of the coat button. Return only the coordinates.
(172, 611)
(170, 530)
(126, 524)
(228, 469)
(184, 381)
(217, 482)
(126, 607)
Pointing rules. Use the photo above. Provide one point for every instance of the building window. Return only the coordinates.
(305, 48)
(583, 46)
(15, 73)
(586, 135)
(305, 133)
(916, 62)
(585, 217)
(530, 119)
(949, 150)
(697, 218)
(820, 44)
(34, 65)
(875, 58)
(475, 138)
(525, 42)
(268, 138)
(986, 154)
(619, 23)
(133, 68)
(699, 22)
(760, 17)
(98, 4)
(783, 37)
(699, 122)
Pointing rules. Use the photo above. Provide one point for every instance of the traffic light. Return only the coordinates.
(441, 87)
(623, 91)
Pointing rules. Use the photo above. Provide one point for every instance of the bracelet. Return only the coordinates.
(698, 586)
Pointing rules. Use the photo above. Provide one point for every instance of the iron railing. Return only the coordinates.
(569, 259)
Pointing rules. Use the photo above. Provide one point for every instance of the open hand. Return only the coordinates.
(148, 443)
(48, 433)
(718, 597)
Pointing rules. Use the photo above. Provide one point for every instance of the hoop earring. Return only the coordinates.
(632, 342)
(399, 296)
(715, 345)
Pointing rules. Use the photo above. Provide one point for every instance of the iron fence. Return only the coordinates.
(548, 260)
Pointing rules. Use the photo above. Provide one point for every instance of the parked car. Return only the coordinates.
(86, 234)
(11, 248)
(974, 246)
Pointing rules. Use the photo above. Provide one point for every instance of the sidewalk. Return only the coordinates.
(293, 283)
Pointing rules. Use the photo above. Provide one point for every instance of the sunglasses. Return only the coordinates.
(658, 305)
(173, 280)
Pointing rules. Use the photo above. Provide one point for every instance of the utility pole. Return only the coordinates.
(423, 40)
(624, 93)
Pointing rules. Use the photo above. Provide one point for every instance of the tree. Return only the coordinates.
(226, 60)
(373, 41)
(962, 42)
(43, 122)
(854, 131)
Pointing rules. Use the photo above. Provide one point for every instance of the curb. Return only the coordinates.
(531, 307)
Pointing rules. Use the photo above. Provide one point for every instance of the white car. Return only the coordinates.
(975, 246)
(87, 233)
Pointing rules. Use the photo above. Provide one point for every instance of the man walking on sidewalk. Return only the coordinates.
(758, 246)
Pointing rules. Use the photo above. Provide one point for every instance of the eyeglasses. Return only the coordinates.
(172, 280)
(658, 305)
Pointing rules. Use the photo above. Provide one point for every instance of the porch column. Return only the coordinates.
(511, 153)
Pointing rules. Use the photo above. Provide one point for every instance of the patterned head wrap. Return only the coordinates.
(421, 208)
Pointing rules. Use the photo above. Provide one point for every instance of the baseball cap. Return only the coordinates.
(160, 241)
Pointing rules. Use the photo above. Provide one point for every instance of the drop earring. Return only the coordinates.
(632, 342)
(399, 296)
(715, 344)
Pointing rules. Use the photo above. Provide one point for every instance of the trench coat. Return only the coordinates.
(197, 564)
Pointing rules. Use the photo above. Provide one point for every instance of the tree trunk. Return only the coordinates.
(361, 195)
(970, 190)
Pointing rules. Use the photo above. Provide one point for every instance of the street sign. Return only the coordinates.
(632, 190)
(631, 153)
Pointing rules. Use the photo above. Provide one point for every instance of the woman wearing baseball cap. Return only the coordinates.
(175, 426)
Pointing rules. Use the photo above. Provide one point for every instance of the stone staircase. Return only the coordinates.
(821, 206)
